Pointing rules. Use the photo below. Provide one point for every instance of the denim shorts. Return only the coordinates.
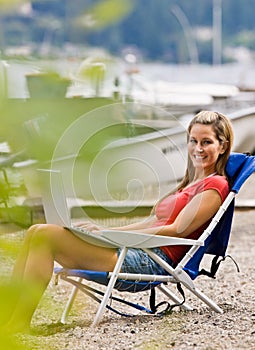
(138, 261)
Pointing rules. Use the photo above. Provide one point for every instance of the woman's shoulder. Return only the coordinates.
(218, 183)
(216, 179)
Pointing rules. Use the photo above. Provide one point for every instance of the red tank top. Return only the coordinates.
(169, 208)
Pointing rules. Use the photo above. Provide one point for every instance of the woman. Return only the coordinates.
(184, 213)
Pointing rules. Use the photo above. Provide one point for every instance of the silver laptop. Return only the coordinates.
(53, 197)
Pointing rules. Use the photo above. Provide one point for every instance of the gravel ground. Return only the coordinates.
(198, 329)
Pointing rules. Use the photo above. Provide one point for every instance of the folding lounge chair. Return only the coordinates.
(213, 241)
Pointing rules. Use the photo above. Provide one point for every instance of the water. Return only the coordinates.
(238, 74)
(241, 75)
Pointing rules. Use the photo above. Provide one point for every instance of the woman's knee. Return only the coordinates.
(44, 233)
(32, 230)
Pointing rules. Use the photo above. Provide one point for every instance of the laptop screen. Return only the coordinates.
(53, 197)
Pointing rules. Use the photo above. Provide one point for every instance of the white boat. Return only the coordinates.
(175, 97)
(244, 130)
(212, 89)
(131, 170)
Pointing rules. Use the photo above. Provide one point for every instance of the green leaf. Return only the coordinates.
(105, 13)
(10, 3)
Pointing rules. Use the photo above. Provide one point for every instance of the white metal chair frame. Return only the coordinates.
(177, 274)
(126, 240)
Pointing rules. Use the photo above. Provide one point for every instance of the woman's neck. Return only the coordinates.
(203, 175)
(197, 179)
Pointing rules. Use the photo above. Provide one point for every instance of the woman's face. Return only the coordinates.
(204, 148)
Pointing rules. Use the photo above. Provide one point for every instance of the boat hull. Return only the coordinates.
(136, 168)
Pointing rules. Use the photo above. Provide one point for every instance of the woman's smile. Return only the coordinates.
(204, 148)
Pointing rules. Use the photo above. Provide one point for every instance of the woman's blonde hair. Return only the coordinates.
(224, 133)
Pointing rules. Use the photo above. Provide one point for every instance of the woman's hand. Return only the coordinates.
(89, 226)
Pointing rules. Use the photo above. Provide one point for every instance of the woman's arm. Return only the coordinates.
(196, 213)
(148, 222)
(138, 226)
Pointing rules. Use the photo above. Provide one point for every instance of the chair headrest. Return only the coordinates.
(239, 167)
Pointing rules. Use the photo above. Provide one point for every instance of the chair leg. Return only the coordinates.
(206, 300)
(110, 286)
(174, 298)
(69, 303)
(186, 281)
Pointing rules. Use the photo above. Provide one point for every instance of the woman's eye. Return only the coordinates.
(207, 142)
(192, 141)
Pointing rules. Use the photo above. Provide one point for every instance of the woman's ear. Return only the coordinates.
(224, 146)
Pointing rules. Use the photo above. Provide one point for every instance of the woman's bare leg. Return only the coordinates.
(20, 263)
(43, 245)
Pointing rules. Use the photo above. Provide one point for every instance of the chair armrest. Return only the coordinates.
(130, 239)
(142, 240)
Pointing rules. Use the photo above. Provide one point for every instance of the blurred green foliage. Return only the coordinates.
(105, 13)
(8, 4)
(8, 294)
(47, 85)
(36, 125)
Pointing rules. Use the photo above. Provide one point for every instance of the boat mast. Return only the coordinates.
(191, 43)
(217, 32)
